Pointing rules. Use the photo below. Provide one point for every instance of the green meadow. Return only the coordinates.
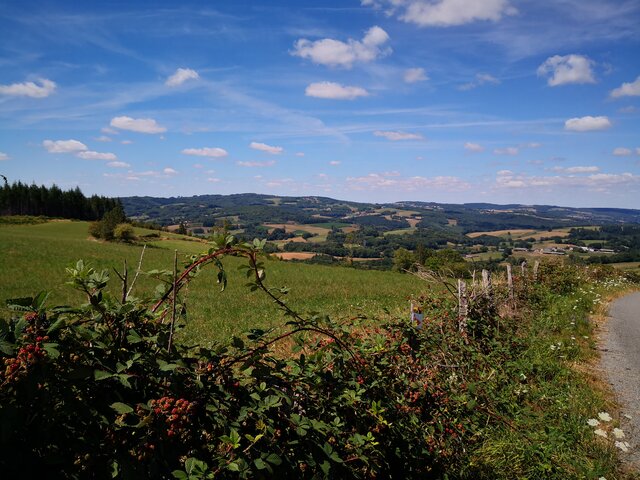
(34, 258)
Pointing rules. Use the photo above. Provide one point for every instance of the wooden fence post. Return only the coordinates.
(510, 283)
(486, 283)
(463, 306)
(536, 265)
(523, 268)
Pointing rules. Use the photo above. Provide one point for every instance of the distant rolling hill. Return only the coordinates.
(253, 209)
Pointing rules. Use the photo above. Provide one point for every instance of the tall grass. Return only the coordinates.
(34, 258)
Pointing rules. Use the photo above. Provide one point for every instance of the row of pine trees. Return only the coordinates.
(21, 199)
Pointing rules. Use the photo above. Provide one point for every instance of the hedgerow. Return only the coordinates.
(104, 390)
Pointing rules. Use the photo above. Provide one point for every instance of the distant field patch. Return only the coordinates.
(295, 255)
(629, 266)
(413, 222)
(452, 222)
(515, 233)
(400, 231)
(330, 225)
(296, 228)
(483, 256)
(522, 234)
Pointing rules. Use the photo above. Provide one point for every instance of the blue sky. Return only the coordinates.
(374, 100)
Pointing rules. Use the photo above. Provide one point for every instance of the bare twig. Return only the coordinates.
(137, 272)
(173, 298)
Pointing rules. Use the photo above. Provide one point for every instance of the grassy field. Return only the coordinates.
(35, 256)
(521, 234)
(630, 266)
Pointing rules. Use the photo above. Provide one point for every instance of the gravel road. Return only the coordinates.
(620, 360)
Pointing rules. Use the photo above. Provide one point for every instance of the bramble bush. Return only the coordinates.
(103, 390)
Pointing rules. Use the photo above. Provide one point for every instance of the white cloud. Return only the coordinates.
(481, 79)
(473, 147)
(628, 89)
(169, 171)
(213, 180)
(394, 181)
(109, 131)
(335, 53)
(413, 75)
(397, 136)
(214, 152)
(591, 169)
(263, 147)
(594, 181)
(562, 70)
(506, 151)
(29, 89)
(299, 154)
(587, 124)
(637, 150)
(628, 109)
(334, 91)
(126, 142)
(335, 163)
(180, 76)
(118, 165)
(622, 152)
(140, 125)
(4, 156)
(270, 163)
(532, 145)
(91, 155)
(444, 13)
(64, 146)
(103, 138)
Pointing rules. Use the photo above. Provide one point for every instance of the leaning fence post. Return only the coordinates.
(510, 282)
(535, 270)
(463, 306)
(523, 268)
(486, 283)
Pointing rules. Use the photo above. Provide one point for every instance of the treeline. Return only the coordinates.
(22, 199)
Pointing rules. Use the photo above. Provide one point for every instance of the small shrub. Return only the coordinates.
(124, 232)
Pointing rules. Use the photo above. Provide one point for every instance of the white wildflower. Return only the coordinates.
(604, 416)
(627, 416)
(618, 433)
(624, 446)
(593, 422)
(600, 433)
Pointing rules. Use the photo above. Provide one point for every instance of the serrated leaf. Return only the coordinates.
(274, 459)
(121, 407)
(51, 350)
(7, 348)
(57, 325)
(101, 375)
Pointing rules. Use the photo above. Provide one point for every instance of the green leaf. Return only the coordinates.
(180, 475)
(7, 347)
(101, 374)
(274, 459)
(51, 350)
(121, 407)
(57, 325)
(259, 463)
(133, 337)
(193, 466)
(22, 304)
